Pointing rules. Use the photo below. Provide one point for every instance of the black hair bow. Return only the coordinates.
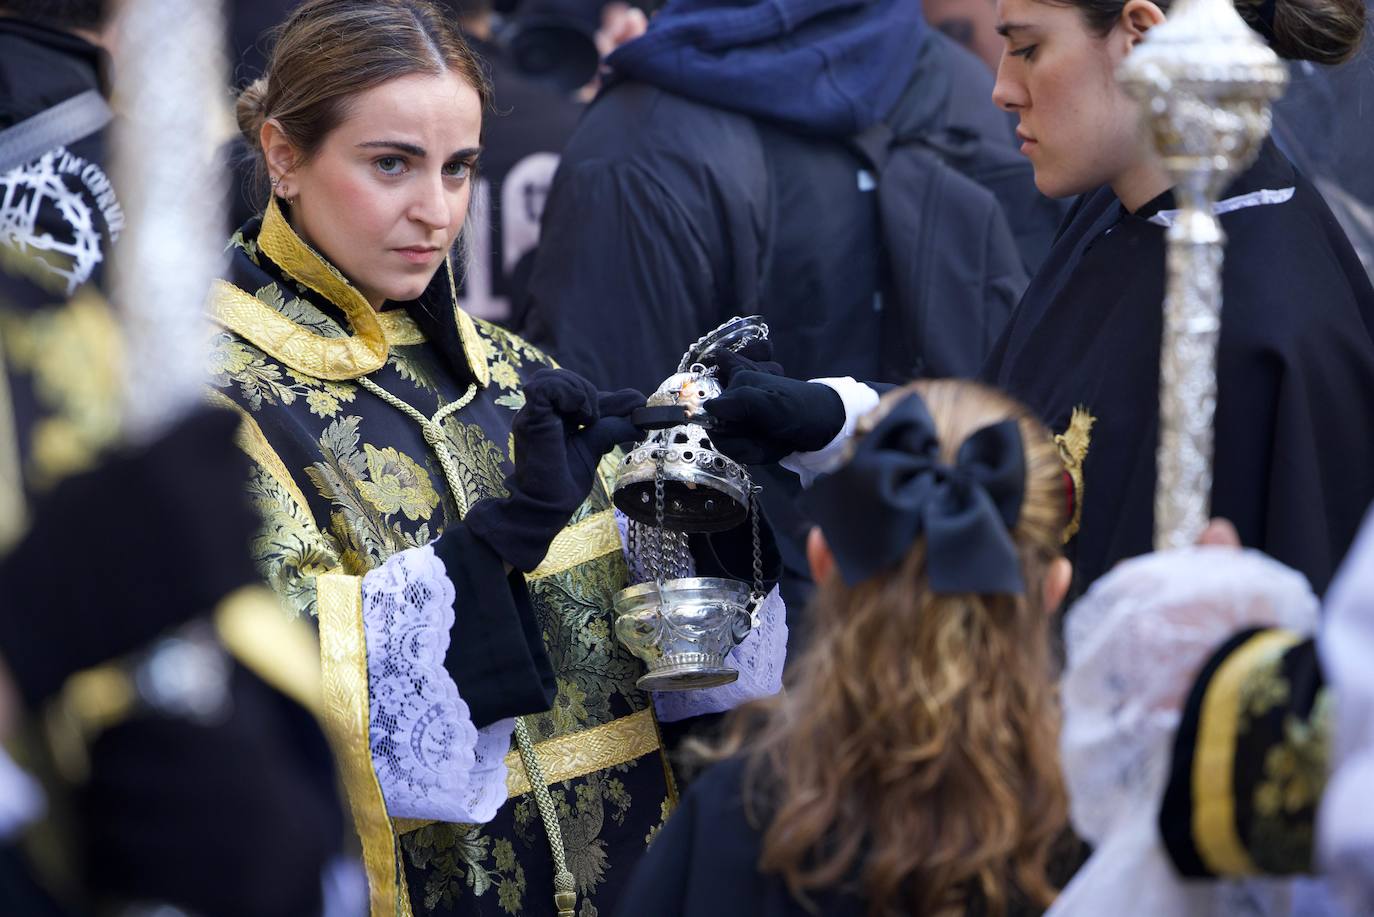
(895, 489)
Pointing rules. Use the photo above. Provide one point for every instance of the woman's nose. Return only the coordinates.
(431, 206)
(1007, 94)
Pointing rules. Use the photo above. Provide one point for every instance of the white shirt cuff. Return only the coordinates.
(858, 400)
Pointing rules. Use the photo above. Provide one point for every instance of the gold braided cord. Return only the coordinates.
(434, 434)
(564, 887)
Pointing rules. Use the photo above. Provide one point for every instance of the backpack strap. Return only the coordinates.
(63, 124)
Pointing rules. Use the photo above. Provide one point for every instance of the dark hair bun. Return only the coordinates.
(1322, 31)
(251, 111)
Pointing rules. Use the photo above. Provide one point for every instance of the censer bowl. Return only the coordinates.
(683, 629)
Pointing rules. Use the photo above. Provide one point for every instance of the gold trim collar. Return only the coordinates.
(359, 354)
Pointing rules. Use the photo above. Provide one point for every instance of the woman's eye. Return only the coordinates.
(457, 169)
(1027, 52)
(390, 165)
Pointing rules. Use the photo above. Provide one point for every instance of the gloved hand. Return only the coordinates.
(561, 433)
(762, 417)
(756, 356)
(150, 539)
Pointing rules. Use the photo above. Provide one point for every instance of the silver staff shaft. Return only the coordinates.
(171, 93)
(1206, 82)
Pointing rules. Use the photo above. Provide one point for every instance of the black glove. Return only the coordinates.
(756, 356)
(150, 539)
(761, 417)
(561, 433)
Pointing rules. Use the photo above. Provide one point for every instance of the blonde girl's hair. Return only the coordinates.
(915, 747)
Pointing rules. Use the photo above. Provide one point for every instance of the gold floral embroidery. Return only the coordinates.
(290, 550)
(504, 375)
(364, 528)
(459, 856)
(395, 482)
(1290, 787)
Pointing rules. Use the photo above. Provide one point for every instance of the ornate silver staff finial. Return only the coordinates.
(1207, 81)
(171, 92)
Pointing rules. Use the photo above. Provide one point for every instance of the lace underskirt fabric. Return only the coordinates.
(1135, 643)
(430, 759)
(759, 658)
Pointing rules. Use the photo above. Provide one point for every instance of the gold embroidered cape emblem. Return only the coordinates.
(1214, 826)
(1073, 445)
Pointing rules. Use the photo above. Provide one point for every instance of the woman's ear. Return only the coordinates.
(1057, 580)
(818, 556)
(1138, 17)
(277, 150)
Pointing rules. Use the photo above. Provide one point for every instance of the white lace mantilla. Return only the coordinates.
(431, 761)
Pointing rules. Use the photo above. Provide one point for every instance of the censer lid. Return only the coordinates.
(734, 334)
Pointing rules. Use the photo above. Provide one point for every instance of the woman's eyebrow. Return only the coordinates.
(1006, 28)
(409, 149)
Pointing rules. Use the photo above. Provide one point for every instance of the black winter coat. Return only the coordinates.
(1294, 428)
(895, 253)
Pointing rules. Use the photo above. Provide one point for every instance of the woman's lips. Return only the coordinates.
(417, 255)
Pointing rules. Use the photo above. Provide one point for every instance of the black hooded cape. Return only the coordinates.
(1294, 460)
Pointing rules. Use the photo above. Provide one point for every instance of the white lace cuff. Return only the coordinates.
(759, 659)
(858, 400)
(431, 761)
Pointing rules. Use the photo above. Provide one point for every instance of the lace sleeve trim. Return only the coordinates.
(430, 759)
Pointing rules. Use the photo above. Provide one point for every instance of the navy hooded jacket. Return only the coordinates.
(834, 165)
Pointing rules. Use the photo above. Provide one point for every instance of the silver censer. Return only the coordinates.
(673, 483)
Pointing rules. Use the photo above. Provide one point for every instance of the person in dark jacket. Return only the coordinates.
(521, 143)
(57, 204)
(911, 766)
(840, 172)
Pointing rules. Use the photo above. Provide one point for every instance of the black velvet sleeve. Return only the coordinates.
(496, 654)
